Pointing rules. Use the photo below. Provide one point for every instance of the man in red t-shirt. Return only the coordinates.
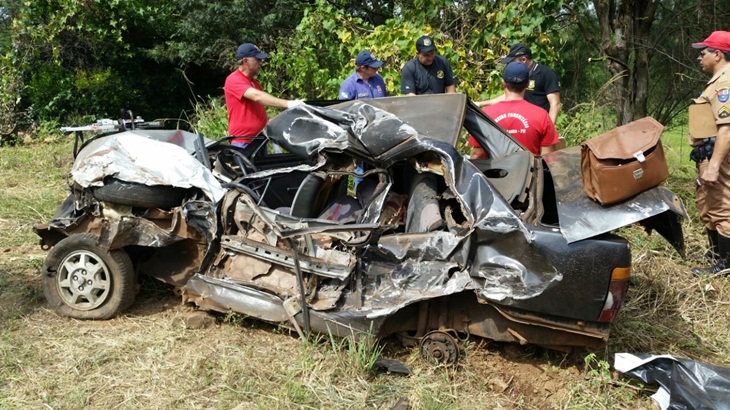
(245, 99)
(527, 123)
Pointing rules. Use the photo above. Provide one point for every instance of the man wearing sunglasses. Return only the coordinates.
(246, 100)
(709, 135)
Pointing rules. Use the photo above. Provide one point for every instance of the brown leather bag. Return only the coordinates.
(623, 162)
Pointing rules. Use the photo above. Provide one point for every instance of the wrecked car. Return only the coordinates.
(423, 244)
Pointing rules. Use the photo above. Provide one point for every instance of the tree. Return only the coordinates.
(619, 31)
(645, 46)
(471, 34)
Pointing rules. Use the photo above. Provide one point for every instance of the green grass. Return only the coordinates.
(33, 186)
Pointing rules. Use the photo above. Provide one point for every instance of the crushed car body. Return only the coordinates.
(423, 244)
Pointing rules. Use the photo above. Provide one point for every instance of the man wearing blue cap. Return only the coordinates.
(365, 82)
(246, 100)
(526, 122)
(544, 87)
(427, 73)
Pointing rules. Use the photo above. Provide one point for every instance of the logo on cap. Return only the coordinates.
(426, 42)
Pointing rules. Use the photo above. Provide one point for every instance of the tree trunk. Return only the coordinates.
(624, 28)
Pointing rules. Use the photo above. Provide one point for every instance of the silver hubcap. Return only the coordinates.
(83, 280)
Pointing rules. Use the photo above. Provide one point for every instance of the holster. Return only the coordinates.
(702, 152)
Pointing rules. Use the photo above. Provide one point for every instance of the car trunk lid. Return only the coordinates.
(582, 218)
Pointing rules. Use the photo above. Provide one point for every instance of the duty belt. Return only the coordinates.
(702, 152)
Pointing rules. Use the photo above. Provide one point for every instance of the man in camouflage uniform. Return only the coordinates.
(710, 137)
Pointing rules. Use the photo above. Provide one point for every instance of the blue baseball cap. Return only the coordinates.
(516, 73)
(368, 59)
(249, 50)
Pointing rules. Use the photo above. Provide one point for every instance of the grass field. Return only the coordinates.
(145, 360)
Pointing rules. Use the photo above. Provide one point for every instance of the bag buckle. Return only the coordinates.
(639, 155)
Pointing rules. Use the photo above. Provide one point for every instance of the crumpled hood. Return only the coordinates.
(139, 159)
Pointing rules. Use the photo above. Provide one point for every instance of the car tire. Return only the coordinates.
(82, 280)
(139, 195)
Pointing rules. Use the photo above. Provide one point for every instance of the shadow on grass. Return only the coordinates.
(20, 290)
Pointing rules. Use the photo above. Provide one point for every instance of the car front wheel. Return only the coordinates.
(82, 280)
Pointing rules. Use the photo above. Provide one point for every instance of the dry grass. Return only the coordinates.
(143, 360)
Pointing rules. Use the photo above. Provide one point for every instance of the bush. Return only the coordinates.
(210, 118)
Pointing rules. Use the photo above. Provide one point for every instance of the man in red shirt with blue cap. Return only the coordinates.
(526, 122)
(246, 100)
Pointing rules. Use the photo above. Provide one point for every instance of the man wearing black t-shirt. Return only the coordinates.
(544, 88)
(427, 73)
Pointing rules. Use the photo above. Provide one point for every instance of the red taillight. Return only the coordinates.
(616, 293)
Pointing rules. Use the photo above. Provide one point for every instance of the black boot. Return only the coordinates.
(711, 254)
(723, 260)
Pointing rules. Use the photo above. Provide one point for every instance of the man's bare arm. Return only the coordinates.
(262, 97)
(477, 153)
(549, 148)
(554, 100)
(490, 101)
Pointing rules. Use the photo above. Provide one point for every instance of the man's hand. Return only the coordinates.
(709, 176)
(294, 103)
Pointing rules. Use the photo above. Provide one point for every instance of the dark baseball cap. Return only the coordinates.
(425, 44)
(719, 40)
(249, 50)
(516, 73)
(517, 50)
(367, 58)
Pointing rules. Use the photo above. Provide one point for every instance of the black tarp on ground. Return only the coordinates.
(684, 383)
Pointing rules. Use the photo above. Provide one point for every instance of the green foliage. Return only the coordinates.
(207, 33)
(472, 36)
(598, 370)
(10, 88)
(51, 89)
(210, 118)
(62, 58)
(71, 57)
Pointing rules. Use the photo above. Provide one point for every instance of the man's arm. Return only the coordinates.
(545, 150)
(408, 80)
(449, 77)
(346, 92)
(719, 154)
(554, 100)
(549, 136)
(490, 101)
(262, 97)
(477, 153)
